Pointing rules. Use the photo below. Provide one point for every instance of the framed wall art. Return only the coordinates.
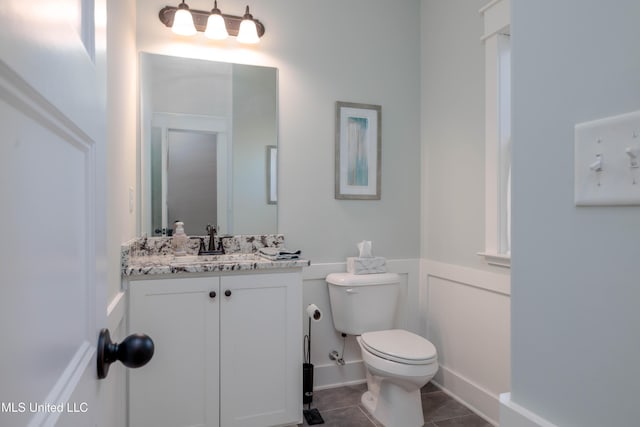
(358, 151)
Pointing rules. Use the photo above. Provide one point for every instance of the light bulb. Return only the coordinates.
(248, 32)
(183, 21)
(216, 27)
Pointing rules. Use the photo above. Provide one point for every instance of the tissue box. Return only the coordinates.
(358, 265)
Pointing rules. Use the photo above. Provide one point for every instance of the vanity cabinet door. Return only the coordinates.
(261, 349)
(180, 385)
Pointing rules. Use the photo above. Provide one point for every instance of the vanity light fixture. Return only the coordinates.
(245, 28)
(183, 21)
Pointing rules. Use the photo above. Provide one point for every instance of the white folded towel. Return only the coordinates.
(278, 254)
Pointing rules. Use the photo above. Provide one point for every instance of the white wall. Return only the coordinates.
(575, 316)
(121, 132)
(464, 303)
(121, 175)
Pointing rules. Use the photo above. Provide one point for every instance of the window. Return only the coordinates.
(498, 142)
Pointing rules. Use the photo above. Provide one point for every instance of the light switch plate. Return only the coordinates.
(606, 172)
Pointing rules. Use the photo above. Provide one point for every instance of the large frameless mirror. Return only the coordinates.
(208, 146)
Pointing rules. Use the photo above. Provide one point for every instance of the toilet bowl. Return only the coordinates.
(398, 364)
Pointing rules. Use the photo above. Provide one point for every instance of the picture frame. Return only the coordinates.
(358, 151)
(272, 175)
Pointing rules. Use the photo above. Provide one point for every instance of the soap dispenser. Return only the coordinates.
(179, 239)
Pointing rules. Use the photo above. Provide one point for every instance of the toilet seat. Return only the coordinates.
(399, 346)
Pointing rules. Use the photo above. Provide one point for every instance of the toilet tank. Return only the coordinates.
(363, 302)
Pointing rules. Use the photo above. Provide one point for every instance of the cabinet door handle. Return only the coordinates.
(212, 294)
(227, 293)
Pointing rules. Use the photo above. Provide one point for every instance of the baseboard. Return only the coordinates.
(514, 415)
(470, 394)
(332, 375)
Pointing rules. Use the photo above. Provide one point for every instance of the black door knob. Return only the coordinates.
(135, 351)
(227, 293)
(212, 294)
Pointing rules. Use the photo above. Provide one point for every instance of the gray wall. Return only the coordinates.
(191, 180)
(357, 51)
(575, 317)
(360, 51)
(255, 120)
(453, 132)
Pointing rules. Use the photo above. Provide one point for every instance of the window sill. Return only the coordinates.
(499, 260)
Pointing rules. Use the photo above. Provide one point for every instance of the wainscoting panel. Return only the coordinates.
(465, 313)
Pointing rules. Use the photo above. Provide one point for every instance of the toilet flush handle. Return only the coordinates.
(351, 291)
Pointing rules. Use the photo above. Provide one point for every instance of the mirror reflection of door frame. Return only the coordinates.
(198, 123)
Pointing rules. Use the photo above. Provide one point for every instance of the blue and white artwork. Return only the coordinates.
(357, 151)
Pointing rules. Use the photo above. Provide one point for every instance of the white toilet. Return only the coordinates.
(398, 362)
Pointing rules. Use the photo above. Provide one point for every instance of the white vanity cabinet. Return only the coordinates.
(228, 351)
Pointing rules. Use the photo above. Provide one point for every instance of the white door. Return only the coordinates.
(52, 191)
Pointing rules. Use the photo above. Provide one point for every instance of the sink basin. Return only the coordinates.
(207, 259)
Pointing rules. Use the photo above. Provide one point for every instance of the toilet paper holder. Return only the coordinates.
(314, 312)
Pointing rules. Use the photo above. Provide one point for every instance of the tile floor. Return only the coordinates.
(341, 407)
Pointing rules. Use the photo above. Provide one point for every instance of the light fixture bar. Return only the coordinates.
(200, 18)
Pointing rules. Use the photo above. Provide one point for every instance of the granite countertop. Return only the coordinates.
(168, 264)
(154, 257)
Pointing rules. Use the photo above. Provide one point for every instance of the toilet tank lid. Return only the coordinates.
(349, 279)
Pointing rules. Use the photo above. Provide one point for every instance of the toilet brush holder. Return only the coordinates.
(307, 383)
(311, 415)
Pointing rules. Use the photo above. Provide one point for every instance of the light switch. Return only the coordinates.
(633, 152)
(607, 155)
(597, 165)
